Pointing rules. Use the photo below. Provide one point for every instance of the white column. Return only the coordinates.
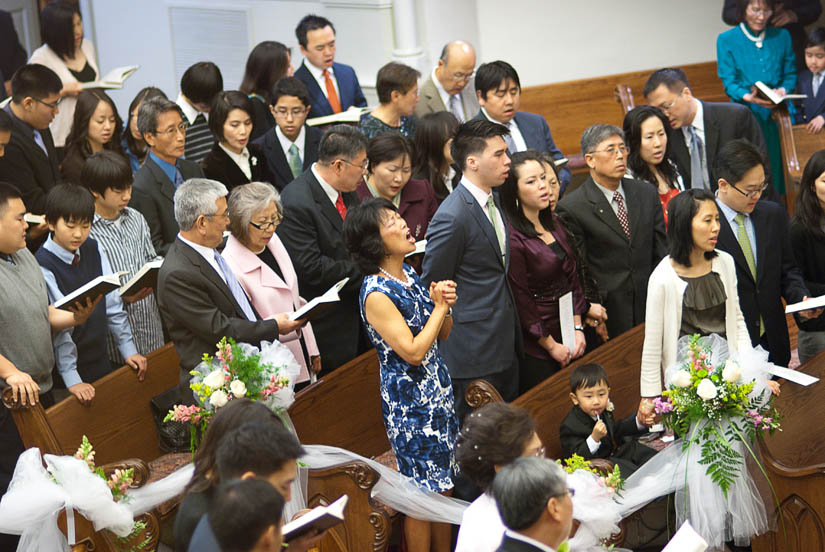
(407, 50)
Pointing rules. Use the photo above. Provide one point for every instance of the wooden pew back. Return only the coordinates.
(797, 148)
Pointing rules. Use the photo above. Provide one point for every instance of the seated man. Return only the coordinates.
(291, 146)
(69, 260)
(535, 505)
(160, 123)
(199, 85)
(449, 87)
(499, 94)
(200, 299)
(315, 205)
(333, 87)
(246, 516)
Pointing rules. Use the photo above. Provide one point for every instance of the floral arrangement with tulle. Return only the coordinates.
(236, 371)
(711, 407)
(612, 482)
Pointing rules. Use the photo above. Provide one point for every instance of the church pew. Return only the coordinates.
(797, 148)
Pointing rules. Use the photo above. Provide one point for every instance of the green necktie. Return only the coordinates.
(493, 212)
(295, 163)
(747, 251)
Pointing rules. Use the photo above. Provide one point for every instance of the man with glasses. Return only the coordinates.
(160, 123)
(315, 206)
(618, 225)
(700, 128)
(200, 299)
(450, 85)
(291, 146)
(755, 233)
(499, 94)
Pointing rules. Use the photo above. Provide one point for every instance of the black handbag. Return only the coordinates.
(172, 436)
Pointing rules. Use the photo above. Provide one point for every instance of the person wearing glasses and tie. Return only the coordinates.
(450, 86)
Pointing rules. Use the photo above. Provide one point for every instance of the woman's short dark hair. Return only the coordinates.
(431, 133)
(808, 208)
(471, 139)
(633, 138)
(510, 203)
(77, 143)
(71, 203)
(386, 147)
(267, 63)
(681, 210)
(139, 148)
(395, 76)
(57, 27)
(200, 82)
(490, 76)
(104, 170)
(742, 6)
(222, 106)
(494, 435)
(362, 233)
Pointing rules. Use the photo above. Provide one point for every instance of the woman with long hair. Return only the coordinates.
(132, 142)
(96, 127)
(268, 62)
(433, 160)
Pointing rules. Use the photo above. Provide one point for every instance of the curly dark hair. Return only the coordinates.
(362, 233)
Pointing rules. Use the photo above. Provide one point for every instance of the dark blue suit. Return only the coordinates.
(349, 91)
(812, 105)
(537, 136)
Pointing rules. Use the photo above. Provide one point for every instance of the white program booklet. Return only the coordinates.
(568, 325)
(321, 303)
(686, 539)
(812, 303)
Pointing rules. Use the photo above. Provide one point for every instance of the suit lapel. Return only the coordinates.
(166, 186)
(634, 211)
(432, 97)
(481, 219)
(312, 138)
(601, 208)
(277, 159)
(681, 155)
(818, 100)
(210, 274)
(324, 204)
(711, 133)
(234, 173)
(527, 133)
(320, 103)
(344, 87)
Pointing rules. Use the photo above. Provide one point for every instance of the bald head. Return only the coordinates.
(456, 65)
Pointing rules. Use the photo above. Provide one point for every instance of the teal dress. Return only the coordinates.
(741, 63)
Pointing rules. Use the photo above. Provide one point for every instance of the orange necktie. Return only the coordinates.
(332, 95)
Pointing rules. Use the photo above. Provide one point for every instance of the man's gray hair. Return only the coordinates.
(596, 134)
(195, 198)
(149, 112)
(245, 201)
(523, 487)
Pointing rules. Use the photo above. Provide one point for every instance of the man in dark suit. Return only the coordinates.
(535, 505)
(499, 94)
(160, 122)
(712, 124)
(449, 87)
(291, 146)
(618, 224)
(199, 298)
(755, 233)
(333, 87)
(315, 205)
(467, 243)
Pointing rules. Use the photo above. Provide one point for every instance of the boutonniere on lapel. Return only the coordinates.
(253, 160)
(609, 406)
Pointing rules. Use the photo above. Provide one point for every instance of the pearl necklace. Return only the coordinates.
(755, 39)
(394, 279)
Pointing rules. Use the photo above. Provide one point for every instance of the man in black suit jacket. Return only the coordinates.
(290, 106)
(715, 124)
(535, 505)
(315, 206)
(160, 122)
(765, 268)
(619, 255)
(199, 298)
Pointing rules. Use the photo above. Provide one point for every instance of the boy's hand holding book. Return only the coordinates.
(82, 311)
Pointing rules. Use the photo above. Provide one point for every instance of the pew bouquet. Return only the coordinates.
(612, 481)
(235, 371)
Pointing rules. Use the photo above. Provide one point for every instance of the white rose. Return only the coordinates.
(214, 379)
(732, 372)
(681, 379)
(218, 398)
(238, 388)
(706, 389)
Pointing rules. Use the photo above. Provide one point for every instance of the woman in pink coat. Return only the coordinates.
(262, 265)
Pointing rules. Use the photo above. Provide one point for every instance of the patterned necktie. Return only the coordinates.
(493, 214)
(817, 82)
(621, 213)
(511, 144)
(339, 204)
(178, 178)
(747, 251)
(455, 107)
(235, 287)
(332, 95)
(697, 171)
(295, 163)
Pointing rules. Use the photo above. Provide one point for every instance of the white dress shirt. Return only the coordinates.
(482, 197)
(300, 142)
(240, 159)
(608, 194)
(515, 133)
(331, 192)
(189, 112)
(699, 125)
(322, 82)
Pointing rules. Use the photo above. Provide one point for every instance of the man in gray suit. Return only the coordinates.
(449, 87)
(467, 243)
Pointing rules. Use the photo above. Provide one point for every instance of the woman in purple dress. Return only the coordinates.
(542, 268)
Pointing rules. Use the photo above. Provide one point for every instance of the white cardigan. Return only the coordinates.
(663, 319)
(62, 123)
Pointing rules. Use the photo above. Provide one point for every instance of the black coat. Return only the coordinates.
(513, 545)
(312, 234)
(809, 252)
(217, 165)
(153, 195)
(777, 277)
(274, 165)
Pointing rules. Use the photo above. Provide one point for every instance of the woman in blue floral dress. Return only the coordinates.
(404, 320)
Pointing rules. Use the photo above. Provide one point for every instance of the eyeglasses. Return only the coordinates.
(268, 224)
(295, 112)
(363, 166)
(225, 215)
(462, 76)
(612, 150)
(540, 453)
(172, 130)
(51, 106)
(753, 194)
(667, 107)
(760, 12)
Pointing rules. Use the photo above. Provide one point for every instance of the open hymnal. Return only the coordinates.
(146, 277)
(686, 539)
(94, 289)
(766, 93)
(316, 521)
(320, 304)
(113, 79)
(420, 247)
(351, 115)
(31, 218)
(812, 303)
